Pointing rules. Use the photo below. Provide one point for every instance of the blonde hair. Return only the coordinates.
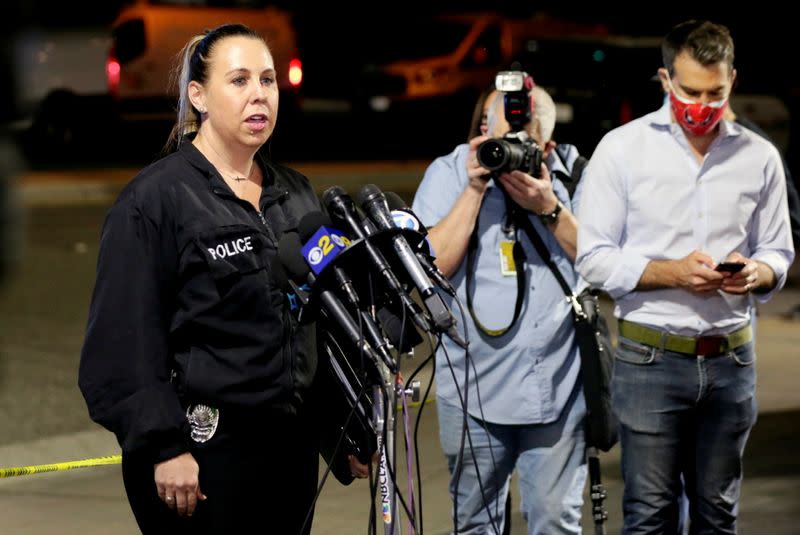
(188, 119)
(192, 66)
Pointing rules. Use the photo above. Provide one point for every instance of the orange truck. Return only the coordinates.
(148, 36)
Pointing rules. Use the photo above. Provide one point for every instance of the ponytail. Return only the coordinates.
(188, 119)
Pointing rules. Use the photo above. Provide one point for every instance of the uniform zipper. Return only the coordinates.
(287, 320)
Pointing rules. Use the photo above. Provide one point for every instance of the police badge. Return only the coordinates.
(203, 420)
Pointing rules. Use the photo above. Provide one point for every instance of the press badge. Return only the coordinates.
(507, 266)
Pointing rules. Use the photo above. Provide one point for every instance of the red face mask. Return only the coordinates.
(695, 117)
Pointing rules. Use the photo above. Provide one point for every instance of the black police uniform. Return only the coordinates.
(186, 310)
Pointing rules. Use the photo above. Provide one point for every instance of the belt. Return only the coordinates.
(701, 345)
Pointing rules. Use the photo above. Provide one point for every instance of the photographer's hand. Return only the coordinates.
(533, 194)
(478, 178)
(450, 236)
(536, 195)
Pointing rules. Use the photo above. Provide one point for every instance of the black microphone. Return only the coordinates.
(307, 227)
(291, 258)
(296, 295)
(341, 206)
(400, 334)
(404, 217)
(373, 202)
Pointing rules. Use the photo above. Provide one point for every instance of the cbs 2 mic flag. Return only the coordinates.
(323, 247)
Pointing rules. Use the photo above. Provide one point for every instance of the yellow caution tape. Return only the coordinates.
(98, 461)
(56, 467)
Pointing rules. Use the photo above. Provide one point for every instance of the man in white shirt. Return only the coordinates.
(688, 217)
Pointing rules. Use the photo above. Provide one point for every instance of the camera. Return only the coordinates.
(516, 149)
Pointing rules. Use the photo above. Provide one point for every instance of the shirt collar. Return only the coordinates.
(554, 163)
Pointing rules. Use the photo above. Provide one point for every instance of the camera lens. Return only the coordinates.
(493, 154)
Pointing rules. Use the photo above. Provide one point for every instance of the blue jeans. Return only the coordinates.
(685, 415)
(550, 461)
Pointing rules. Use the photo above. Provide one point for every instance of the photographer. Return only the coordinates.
(523, 401)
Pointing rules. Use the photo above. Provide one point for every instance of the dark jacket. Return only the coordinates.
(186, 307)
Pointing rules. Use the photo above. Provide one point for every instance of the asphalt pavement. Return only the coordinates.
(43, 312)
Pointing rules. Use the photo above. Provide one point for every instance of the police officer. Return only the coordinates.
(191, 356)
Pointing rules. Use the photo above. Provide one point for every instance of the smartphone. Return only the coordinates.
(729, 267)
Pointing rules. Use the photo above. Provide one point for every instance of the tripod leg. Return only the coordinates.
(597, 491)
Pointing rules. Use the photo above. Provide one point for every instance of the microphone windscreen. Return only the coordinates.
(310, 223)
(291, 257)
(393, 328)
(368, 193)
(332, 192)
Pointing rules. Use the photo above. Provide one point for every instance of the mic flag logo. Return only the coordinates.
(403, 219)
(323, 247)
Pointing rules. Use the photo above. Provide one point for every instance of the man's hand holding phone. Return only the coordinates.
(741, 274)
(729, 267)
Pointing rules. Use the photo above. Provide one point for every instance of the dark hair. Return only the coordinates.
(193, 67)
(477, 113)
(707, 42)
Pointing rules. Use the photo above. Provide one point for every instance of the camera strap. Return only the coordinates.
(523, 222)
(570, 180)
(519, 264)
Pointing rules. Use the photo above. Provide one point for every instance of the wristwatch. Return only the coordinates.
(551, 217)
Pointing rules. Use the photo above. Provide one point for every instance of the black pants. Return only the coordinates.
(258, 472)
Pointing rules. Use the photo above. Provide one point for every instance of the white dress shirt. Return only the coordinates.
(648, 198)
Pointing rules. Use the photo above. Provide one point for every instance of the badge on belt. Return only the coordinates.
(203, 421)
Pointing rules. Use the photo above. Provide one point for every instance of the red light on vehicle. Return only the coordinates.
(295, 72)
(625, 112)
(112, 75)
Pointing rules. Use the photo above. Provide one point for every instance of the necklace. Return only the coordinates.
(235, 176)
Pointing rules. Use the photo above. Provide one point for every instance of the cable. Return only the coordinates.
(480, 406)
(335, 449)
(409, 450)
(372, 524)
(419, 417)
(460, 460)
(391, 470)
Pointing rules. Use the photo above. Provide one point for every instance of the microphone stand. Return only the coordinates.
(384, 425)
(597, 491)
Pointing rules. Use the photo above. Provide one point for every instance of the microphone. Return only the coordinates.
(291, 259)
(296, 296)
(402, 214)
(404, 338)
(390, 321)
(322, 245)
(320, 221)
(373, 202)
(404, 217)
(340, 204)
